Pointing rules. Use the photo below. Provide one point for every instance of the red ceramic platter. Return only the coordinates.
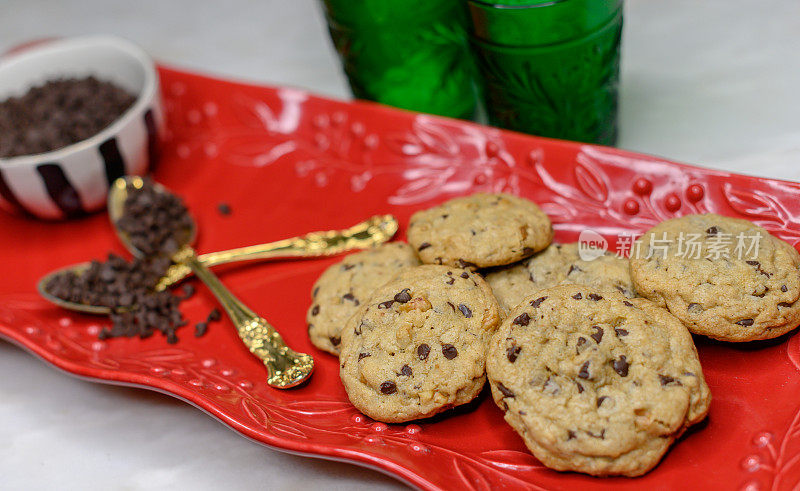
(287, 163)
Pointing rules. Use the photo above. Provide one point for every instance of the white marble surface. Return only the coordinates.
(715, 83)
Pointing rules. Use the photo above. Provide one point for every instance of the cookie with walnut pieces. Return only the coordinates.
(723, 277)
(596, 382)
(341, 289)
(479, 231)
(418, 347)
(559, 264)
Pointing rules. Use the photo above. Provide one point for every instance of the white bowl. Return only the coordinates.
(74, 180)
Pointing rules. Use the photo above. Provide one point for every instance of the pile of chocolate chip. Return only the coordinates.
(157, 224)
(59, 113)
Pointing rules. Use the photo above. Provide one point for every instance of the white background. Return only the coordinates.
(712, 82)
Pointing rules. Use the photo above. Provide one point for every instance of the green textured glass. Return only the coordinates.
(550, 68)
(412, 54)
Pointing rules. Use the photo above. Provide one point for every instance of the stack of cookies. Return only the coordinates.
(591, 358)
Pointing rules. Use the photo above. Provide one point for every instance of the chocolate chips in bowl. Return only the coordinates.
(58, 113)
(78, 114)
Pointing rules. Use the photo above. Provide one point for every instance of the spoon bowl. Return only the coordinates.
(78, 269)
(117, 196)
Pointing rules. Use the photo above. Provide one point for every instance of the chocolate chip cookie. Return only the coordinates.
(418, 347)
(725, 278)
(559, 264)
(596, 382)
(479, 231)
(343, 287)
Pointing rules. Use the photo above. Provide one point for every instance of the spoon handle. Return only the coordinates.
(371, 232)
(286, 368)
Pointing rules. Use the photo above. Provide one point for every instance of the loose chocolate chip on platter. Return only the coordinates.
(224, 209)
(200, 329)
(214, 315)
(188, 291)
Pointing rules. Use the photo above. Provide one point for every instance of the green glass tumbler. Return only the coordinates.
(412, 54)
(550, 68)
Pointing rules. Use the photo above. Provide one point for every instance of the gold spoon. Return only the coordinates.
(286, 368)
(371, 232)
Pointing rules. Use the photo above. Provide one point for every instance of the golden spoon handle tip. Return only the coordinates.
(286, 368)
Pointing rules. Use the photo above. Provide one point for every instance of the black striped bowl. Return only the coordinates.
(74, 180)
